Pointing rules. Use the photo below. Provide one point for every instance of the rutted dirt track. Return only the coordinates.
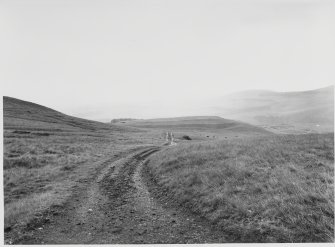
(116, 207)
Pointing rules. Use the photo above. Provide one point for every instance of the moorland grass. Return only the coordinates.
(48, 154)
(265, 189)
(34, 166)
(41, 171)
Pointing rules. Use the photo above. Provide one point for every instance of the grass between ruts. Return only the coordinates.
(267, 189)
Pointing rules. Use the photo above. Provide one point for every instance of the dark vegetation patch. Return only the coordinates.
(274, 189)
(41, 134)
(21, 132)
(186, 137)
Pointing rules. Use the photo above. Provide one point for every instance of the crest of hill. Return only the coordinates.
(20, 114)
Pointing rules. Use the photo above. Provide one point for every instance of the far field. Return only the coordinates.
(199, 128)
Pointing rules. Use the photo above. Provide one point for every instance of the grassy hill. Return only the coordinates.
(199, 127)
(302, 111)
(277, 188)
(19, 114)
(48, 154)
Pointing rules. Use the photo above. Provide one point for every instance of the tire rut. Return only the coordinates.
(139, 218)
(118, 208)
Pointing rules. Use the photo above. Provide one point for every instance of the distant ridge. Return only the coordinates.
(312, 109)
(186, 118)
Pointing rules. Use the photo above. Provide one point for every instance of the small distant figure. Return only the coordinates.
(170, 138)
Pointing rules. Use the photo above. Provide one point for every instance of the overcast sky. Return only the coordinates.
(154, 58)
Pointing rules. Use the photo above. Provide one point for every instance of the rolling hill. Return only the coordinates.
(198, 126)
(19, 114)
(48, 156)
(307, 110)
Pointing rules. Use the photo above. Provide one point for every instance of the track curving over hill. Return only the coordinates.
(116, 207)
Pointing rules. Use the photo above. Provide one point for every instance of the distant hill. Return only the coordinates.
(212, 124)
(19, 114)
(121, 120)
(309, 110)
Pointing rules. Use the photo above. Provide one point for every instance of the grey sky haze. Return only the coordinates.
(153, 58)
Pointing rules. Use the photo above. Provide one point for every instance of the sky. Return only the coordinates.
(153, 58)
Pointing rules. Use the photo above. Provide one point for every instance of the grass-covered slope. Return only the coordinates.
(48, 154)
(196, 123)
(199, 127)
(270, 189)
(19, 114)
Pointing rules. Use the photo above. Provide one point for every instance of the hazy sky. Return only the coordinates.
(153, 58)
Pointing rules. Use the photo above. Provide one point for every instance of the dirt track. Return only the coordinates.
(116, 207)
